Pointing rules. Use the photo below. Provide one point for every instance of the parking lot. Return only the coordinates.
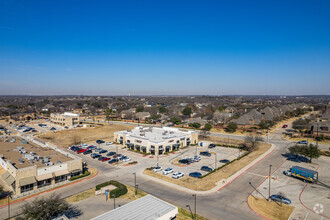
(315, 196)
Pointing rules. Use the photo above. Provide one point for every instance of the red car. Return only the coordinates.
(105, 159)
(81, 151)
(284, 126)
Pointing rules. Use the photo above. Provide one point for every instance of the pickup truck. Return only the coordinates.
(302, 173)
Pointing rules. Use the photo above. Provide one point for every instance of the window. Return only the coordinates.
(60, 178)
(27, 188)
(43, 183)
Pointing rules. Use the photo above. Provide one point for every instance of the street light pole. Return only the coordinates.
(8, 207)
(135, 183)
(195, 205)
(270, 171)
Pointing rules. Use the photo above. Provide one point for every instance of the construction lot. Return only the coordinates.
(306, 198)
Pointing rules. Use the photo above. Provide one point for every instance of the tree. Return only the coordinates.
(310, 151)
(231, 127)
(251, 141)
(48, 208)
(162, 109)
(187, 111)
(300, 124)
(222, 108)
(207, 127)
(140, 109)
(265, 124)
(175, 120)
(195, 125)
(204, 133)
(296, 149)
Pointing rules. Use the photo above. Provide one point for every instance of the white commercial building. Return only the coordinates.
(156, 140)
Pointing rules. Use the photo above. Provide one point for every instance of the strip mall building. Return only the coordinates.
(156, 140)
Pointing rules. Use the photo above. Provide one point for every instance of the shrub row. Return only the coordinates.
(86, 173)
(141, 152)
(133, 162)
(225, 165)
(119, 191)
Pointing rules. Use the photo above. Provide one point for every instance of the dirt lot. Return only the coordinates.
(84, 135)
(270, 210)
(210, 181)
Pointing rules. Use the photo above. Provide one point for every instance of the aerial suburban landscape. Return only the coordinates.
(163, 110)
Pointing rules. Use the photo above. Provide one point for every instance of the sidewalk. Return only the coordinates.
(220, 184)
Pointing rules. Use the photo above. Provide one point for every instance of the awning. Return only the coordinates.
(44, 177)
(61, 172)
(143, 147)
(10, 180)
(76, 170)
(5, 175)
(130, 144)
(160, 148)
(137, 145)
(168, 147)
(27, 181)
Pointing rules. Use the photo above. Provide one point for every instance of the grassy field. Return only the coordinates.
(210, 181)
(270, 210)
(186, 215)
(81, 196)
(84, 135)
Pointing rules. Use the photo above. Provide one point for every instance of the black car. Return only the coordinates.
(88, 152)
(101, 158)
(76, 149)
(52, 129)
(185, 161)
(195, 174)
(111, 153)
(224, 161)
(103, 151)
(113, 161)
(100, 141)
(211, 145)
(206, 168)
(205, 153)
(95, 156)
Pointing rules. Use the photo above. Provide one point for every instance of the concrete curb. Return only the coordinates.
(219, 183)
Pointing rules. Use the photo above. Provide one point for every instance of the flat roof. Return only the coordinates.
(155, 134)
(147, 207)
(7, 149)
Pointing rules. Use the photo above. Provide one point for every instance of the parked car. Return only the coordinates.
(284, 126)
(104, 159)
(87, 152)
(81, 151)
(279, 198)
(125, 159)
(92, 147)
(177, 175)
(52, 128)
(212, 146)
(302, 142)
(117, 155)
(206, 168)
(197, 158)
(75, 149)
(294, 159)
(224, 161)
(113, 161)
(98, 149)
(156, 169)
(185, 161)
(109, 143)
(100, 141)
(195, 174)
(205, 153)
(168, 170)
(94, 155)
(103, 151)
(111, 153)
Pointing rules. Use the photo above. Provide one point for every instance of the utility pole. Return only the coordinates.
(135, 184)
(195, 205)
(215, 160)
(270, 171)
(8, 206)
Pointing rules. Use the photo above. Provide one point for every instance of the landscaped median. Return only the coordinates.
(269, 210)
(209, 181)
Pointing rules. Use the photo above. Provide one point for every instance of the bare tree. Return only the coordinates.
(76, 140)
(204, 133)
(251, 141)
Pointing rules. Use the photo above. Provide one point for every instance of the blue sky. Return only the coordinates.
(219, 47)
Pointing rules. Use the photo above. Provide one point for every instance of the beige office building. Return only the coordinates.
(156, 140)
(66, 119)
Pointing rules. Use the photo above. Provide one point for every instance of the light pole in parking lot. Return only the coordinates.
(194, 195)
(135, 184)
(270, 171)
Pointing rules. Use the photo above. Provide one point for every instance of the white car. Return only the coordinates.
(177, 175)
(126, 159)
(167, 171)
(156, 169)
(108, 143)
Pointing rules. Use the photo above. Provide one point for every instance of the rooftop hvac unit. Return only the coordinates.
(19, 147)
(171, 132)
(45, 160)
(23, 151)
(21, 161)
(32, 153)
(31, 161)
